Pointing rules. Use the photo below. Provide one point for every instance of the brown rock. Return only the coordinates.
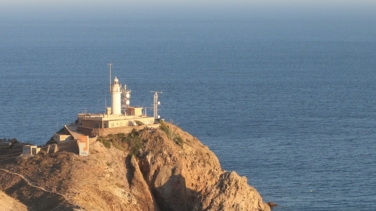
(232, 192)
(271, 204)
(172, 171)
(10, 204)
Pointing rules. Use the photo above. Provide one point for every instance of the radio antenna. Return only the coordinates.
(156, 103)
(110, 64)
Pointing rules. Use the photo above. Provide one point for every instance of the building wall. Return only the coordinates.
(30, 150)
(116, 123)
(106, 131)
(87, 131)
(134, 111)
(146, 121)
(91, 124)
(62, 137)
(26, 149)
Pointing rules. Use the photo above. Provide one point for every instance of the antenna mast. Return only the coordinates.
(110, 64)
(156, 103)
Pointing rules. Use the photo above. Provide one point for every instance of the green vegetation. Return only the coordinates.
(171, 135)
(120, 141)
(139, 122)
(105, 142)
(178, 140)
(165, 128)
(134, 142)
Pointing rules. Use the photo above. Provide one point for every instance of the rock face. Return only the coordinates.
(231, 192)
(10, 204)
(169, 170)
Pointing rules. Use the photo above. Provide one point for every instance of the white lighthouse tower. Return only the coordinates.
(116, 97)
(120, 115)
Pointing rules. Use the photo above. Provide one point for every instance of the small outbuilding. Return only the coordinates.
(62, 137)
(30, 150)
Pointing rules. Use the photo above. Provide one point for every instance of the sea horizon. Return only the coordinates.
(287, 103)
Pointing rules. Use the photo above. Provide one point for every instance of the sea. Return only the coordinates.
(291, 105)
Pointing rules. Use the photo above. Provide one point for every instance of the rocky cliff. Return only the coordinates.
(10, 204)
(151, 169)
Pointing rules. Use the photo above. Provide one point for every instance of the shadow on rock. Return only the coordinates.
(170, 190)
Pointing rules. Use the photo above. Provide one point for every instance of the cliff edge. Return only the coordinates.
(151, 169)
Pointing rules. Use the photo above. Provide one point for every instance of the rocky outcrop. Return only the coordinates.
(152, 169)
(232, 192)
(10, 204)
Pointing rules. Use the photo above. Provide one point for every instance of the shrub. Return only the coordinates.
(138, 122)
(118, 145)
(120, 135)
(172, 136)
(165, 128)
(136, 145)
(178, 140)
(134, 133)
(132, 142)
(105, 142)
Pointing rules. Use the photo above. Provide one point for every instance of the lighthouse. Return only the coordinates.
(120, 115)
(116, 97)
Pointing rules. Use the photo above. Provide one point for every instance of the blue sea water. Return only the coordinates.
(289, 104)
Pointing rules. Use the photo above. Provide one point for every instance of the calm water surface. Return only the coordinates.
(290, 105)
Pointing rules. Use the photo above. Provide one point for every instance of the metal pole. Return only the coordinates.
(155, 104)
(110, 64)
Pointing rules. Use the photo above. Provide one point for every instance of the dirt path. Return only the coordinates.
(35, 186)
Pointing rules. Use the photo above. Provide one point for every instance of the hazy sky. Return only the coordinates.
(195, 3)
(186, 9)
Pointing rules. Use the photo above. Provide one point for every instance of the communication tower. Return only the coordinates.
(110, 64)
(156, 103)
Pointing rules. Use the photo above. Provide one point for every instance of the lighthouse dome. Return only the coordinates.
(116, 80)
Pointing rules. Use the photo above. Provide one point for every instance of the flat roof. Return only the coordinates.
(106, 117)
